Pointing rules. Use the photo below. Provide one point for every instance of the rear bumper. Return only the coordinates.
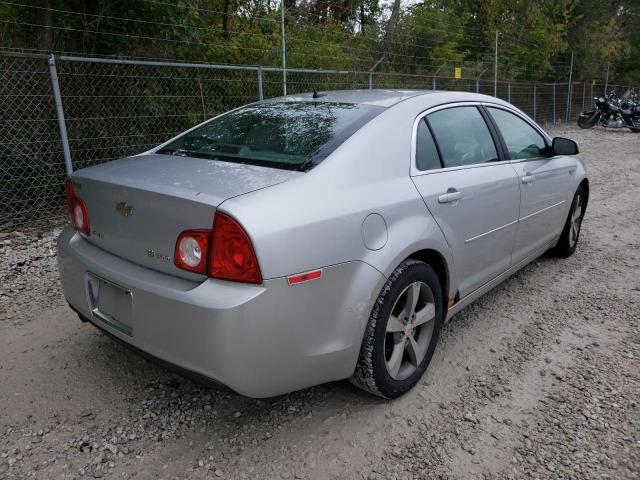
(259, 340)
(196, 377)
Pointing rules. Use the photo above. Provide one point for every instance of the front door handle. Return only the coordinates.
(451, 196)
(528, 178)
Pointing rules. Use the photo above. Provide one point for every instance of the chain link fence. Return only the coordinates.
(31, 162)
(116, 108)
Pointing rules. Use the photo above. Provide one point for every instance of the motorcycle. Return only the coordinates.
(613, 112)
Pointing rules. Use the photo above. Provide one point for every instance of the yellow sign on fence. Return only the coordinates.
(458, 73)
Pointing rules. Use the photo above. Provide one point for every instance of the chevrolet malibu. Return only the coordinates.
(318, 237)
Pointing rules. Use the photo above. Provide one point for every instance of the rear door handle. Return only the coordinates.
(528, 178)
(451, 196)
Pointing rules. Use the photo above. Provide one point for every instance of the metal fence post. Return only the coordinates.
(375, 65)
(260, 92)
(204, 110)
(283, 42)
(433, 83)
(569, 91)
(584, 93)
(535, 103)
(477, 85)
(509, 93)
(554, 102)
(569, 95)
(495, 69)
(55, 87)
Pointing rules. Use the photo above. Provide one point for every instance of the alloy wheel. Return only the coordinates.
(576, 221)
(409, 329)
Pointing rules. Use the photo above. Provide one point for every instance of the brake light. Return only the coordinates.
(77, 209)
(232, 255)
(225, 252)
(192, 250)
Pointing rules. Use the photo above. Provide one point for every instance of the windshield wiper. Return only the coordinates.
(180, 152)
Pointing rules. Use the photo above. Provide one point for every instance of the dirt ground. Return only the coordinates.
(540, 378)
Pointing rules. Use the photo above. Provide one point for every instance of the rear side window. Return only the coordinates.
(427, 157)
(462, 136)
(287, 135)
(521, 139)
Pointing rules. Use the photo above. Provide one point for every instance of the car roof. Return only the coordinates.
(382, 98)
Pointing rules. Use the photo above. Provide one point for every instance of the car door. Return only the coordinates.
(469, 188)
(545, 182)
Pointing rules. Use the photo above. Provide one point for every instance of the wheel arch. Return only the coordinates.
(437, 261)
(585, 188)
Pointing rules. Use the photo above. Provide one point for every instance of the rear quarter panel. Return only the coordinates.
(316, 220)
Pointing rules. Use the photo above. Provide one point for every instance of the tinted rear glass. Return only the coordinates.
(463, 136)
(288, 135)
(427, 157)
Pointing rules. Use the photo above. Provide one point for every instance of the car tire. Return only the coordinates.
(587, 119)
(399, 341)
(571, 232)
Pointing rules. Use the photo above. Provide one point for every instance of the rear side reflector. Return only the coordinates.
(304, 277)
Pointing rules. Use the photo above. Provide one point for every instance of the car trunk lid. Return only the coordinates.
(139, 205)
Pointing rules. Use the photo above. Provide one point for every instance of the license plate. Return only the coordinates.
(110, 303)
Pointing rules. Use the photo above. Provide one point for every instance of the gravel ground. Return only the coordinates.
(538, 379)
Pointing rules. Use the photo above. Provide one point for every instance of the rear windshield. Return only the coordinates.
(287, 135)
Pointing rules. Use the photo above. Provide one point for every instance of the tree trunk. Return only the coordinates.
(290, 5)
(225, 19)
(362, 17)
(290, 8)
(391, 26)
(46, 20)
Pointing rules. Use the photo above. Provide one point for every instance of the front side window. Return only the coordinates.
(287, 135)
(521, 139)
(462, 136)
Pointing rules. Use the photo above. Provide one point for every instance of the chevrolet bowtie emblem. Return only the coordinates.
(124, 209)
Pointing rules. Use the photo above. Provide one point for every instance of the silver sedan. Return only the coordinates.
(313, 238)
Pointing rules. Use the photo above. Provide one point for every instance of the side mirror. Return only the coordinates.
(564, 146)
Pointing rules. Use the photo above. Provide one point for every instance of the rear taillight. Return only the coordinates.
(192, 249)
(225, 252)
(77, 209)
(232, 254)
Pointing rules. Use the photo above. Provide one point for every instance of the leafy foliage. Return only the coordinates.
(535, 41)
